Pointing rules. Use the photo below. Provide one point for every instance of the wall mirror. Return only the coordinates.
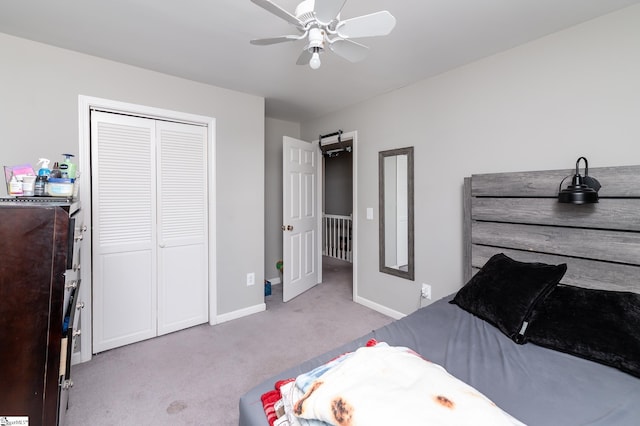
(395, 193)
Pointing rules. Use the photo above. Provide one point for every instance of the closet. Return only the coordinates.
(149, 215)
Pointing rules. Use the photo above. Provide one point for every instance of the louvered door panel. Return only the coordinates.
(182, 225)
(124, 240)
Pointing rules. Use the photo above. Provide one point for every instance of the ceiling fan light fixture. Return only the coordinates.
(315, 63)
(316, 38)
(316, 46)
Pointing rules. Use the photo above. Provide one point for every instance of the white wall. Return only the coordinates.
(39, 88)
(274, 131)
(535, 107)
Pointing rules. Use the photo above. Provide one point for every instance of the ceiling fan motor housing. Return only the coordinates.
(304, 11)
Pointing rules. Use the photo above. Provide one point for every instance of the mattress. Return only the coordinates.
(536, 385)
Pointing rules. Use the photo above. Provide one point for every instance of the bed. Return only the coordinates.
(561, 348)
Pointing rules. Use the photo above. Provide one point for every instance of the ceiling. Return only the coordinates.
(208, 41)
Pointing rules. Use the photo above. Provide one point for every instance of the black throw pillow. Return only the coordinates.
(598, 325)
(505, 291)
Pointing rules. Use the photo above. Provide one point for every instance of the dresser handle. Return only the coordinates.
(72, 284)
(80, 305)
(77, 333)
(67, 384)
(76, 267)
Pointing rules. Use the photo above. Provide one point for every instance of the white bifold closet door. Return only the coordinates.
(149, 206)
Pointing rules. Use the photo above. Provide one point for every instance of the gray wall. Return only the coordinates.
(39, 89)
(535, 107)
(338, 184)
(274, 131)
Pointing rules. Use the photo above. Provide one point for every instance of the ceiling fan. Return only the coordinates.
(318, 22)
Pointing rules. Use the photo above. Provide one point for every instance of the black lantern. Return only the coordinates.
(583, 190)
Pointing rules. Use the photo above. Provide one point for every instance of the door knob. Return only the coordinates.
(287, 228)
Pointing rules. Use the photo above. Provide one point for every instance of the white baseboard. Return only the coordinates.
(380, 308)
(274, 281)
(230, 316)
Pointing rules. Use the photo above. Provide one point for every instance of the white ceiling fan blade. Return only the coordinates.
(304, 57)
(327, 10)
(375, 24)
(349, 50)
(274, 40)
(278, 11)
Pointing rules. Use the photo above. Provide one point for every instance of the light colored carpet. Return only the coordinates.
(196, 376)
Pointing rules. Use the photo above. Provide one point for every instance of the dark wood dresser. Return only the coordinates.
(39, 284)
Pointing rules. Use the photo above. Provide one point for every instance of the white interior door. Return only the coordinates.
(300, 243)
(182, 226)
(123, 166)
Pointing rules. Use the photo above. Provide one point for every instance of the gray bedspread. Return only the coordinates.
(536, 385)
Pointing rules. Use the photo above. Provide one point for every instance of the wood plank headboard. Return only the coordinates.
(518, 214)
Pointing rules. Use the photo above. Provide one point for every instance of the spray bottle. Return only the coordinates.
(68, 167)
(44, 168)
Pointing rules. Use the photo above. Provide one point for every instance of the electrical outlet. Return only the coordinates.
(426, 291)
(251, 278)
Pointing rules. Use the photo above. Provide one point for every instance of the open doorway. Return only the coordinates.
(338, 214)
(336, 185)
(337, 201)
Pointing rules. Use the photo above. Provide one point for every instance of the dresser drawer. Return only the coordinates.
(69, 335)
(71, 285)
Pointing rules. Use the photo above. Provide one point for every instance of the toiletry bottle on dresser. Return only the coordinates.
(15, 186)
(68, 166)
(44, 167)
(55, 172)
(40, 187)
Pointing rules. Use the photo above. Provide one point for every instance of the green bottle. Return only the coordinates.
(68, 166)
